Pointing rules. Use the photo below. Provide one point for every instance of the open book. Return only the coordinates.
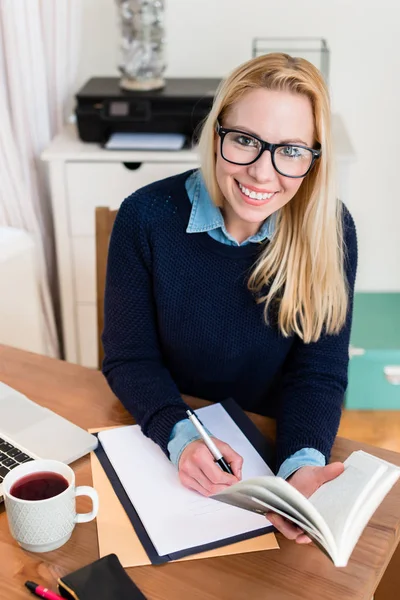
(335, 515)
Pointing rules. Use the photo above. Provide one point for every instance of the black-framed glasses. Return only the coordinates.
(242, 148)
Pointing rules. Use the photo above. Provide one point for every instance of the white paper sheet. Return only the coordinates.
(177, 518)
(145, 141)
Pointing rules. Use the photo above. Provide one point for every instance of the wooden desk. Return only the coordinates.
(291, 573)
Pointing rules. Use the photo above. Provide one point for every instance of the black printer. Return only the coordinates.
(103, 108)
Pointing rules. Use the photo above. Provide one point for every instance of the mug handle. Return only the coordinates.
(86, 490)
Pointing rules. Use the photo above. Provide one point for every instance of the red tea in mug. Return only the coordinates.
(39, 486)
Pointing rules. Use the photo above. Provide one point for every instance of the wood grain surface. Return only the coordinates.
(293, 572)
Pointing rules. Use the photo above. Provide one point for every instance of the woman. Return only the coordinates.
(237, 281)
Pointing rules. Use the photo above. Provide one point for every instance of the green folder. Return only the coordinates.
(375, 353)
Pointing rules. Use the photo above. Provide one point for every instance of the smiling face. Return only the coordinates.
(253, 192)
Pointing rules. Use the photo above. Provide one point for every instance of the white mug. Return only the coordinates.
(44, 525)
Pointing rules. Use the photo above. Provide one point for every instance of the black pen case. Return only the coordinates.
(100, 580)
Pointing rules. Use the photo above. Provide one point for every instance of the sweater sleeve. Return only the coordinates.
(314, 378)
(133, 364)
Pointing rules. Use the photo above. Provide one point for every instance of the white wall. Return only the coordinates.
(210, 37)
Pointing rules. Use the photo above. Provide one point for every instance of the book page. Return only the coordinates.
(340, 501)
(356, 526)
(175, 517)
(361, 514)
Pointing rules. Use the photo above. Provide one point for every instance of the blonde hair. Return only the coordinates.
(303, 265)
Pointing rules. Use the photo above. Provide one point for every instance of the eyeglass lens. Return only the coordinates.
(242, 149)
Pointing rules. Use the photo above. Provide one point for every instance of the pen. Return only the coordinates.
(209, 443)
(41, 591)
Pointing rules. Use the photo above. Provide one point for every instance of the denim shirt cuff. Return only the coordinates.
(183, 433)
(306, 457)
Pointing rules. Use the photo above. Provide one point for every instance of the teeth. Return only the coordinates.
(255, 195)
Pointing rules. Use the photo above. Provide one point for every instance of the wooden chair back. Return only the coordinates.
(104, 223)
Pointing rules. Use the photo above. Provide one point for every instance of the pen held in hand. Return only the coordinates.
(219, 459)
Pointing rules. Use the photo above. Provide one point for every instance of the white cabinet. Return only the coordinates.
(91, 184)
(83, 176)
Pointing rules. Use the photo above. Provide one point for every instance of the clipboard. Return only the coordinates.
(116, 535)
(263, 446)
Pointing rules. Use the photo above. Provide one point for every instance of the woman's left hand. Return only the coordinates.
(307, 480)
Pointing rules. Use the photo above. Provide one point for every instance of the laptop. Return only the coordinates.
(29, 431)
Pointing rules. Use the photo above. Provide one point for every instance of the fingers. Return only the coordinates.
(192, 484)
(288, 529)
(303, 539)
(198, 471)
(211, 488)
(201, 458)
(215, 474)
(330, 472)
(233, 458)
(308, 479)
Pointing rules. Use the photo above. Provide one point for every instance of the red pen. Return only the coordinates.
(41, 591)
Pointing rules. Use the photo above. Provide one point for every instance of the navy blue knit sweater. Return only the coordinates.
(179, 318)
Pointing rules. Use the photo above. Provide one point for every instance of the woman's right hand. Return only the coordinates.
(198, 470)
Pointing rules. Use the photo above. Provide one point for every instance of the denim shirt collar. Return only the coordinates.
(205, 216)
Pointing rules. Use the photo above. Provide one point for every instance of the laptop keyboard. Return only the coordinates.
(10, 457)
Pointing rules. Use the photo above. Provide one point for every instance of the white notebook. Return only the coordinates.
(175, 517)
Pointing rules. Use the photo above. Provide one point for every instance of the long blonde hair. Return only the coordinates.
(302, 268)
